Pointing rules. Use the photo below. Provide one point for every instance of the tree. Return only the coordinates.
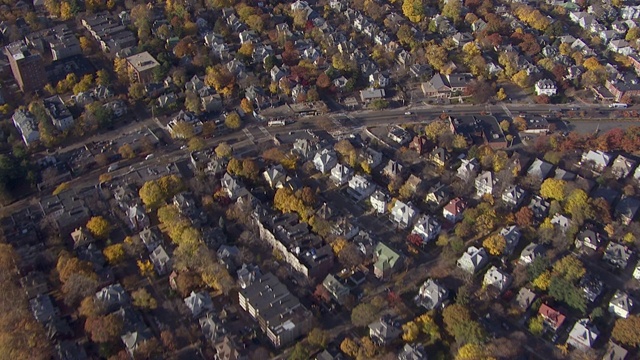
(232, 121)
(524, 217)
(168, 340)
(495, 244)
(458, 322)
(246, 49)
(451, 10)
(627, 331)
(104, 328)
(151, 194)
(536, 325)
(364, 314)
(505, 125)
(318, 338)
(61, 188)
(520, 123)
(66, 12)
(553, 189)
(192, 102)
(221, 79)
(114, 253)
(223, 150)
(143, 300)
(569, 268)
(349, 347)
(145, 268)
(471, 352)
(501, 95)
(413, 10)
(521, 78)
(136, 91)
(379, 104)
(410, 332)
(351, 256)
(436, 129)
(299, 352)
(633, 34)
(543, 280)
(182, 130)
(86, 45)
(577, 203)
(196, 144)
(565, 291)
(436, 56)
(126, 151)
(246, 106)
(99, 227)
(323, 81)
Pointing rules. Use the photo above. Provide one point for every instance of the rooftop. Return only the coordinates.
(142, 62)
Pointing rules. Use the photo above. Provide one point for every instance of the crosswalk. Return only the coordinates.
(264, 131)
(249, 135)
(507, 111)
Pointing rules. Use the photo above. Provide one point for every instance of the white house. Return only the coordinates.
(621, 304)
(468, 169)
(454, 209)
(379, 201)
(484, 183)
(432, 295)
(497, 278)
(600, 159)
(473, 259)
(26, 125)
(583, 335)
(199, 303)
(325, 160)
(427, 227)
(636, 272)
(360, 187)
(546, 87)
(340, 174)
(530, 253)
(403, 214)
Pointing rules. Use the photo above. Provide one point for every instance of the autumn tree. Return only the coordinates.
(232, 121)
(452, 10)
(318, 338)
(114, 253)
(501, 95)
(349, 347)
(104, 328)
(471, 352)
(364, 314)
(524, 217)
(495, 244)
(99, 227)
(223, 150)
(436, 56)
(413, 10)
(126, 151)
(458, 323)
(143, 300)
(246, 106)
(569, 268)
(627, 331)
(410, 332)
(196, 144)
(220, 79)
(553, 189)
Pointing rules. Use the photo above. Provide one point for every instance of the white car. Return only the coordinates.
(408, 113)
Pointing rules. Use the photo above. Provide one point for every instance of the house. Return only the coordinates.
(473, 259)
(325, 160)
(427, 227)
(399, 135)
(150, 238)
(24, 121)
(617, 255)
(621, 304)
(403, 214)
(420, 144)
(211, 103)
(454, 209)
(438, 195)
(368, 95)
(141, 66)
(199, 303)
(386, 259)
(551, 317)
(484, 183)
(412, 352)
(132, 340)
(525, 298)
(497, 278)
(304, 148)
(232, 187)
(540, 169)
(58, 112)
(393, 169)
(479, 129)
(371, 157)
(622, 166)
(81, 237)
(513, 196)
(591, 286)
(227, 349)
(161, 261)
(540, 207)
(336, 289)
(636, 271)
(620, 47)
(432, 295)
(589, 237)
(378, 80)
(413, 183)
(468, 169)
(360, 187)
(43, 309)
(340, 174)
(627, 209)
(561, 221)
(384, 331)
(583, 335)
(379, 201)
(615, 352)
(275, 176)
(211, 327)
(137, 217)
(545, 87)
(446, 86)
(112, 297)
(598, 159)
(439, 157)
(530, 253)
(511, 235)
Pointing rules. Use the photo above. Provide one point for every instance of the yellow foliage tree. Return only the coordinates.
(338, 244)
(114, 253)
(553, 189)
(126, 151)
(99, 227)
(501, 95)
(495, 244)
(413, 10)
(60, 188)
(471, 352)
(410, 332)
(145, 268)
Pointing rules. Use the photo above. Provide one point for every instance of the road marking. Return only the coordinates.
(264, 131)
(506, 110)
(249, 135)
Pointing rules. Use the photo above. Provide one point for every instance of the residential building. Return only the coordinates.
(621, 304)
(622, 166)
(232, 187)
(379, 201)
(620, 89)
(540, 169)
(530, 253)
(627, 209)
(142, 65)
(399, 135)
(27, 67)
(617, 255)
(81, 237)
(403, 214)
(525, 298)
(199, 303)
(384, 331)
(368, 95)
(513, 196)
(432, 295)
(636, 271)
(540, 207)
(511, 235)
(438, 195)
(360, 187)
(58, 112)
(336, 289)
(615, 352)
(26, 125)
(583, 335)
(151, 238)
(393, 169)
(279, 314)
(591, 286)
(484, 183)
(551, 317)
(438, 157)
(427, 227)
(454, 209)
(371, 157)
(340, 174)
(468, 169)
(546, 87)
(386, 260)
(325, 160)
(479, 130)
(161, 260)
(473, 259)
(138, 219)
(43, 309)
(597, 159)
(589, 237)
(446, 86)
(112, 297)
(497, 278)
(412, 352)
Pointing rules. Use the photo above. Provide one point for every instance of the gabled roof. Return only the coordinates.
(584, 333)
(547, 312)
(540, 169)
(387, 257)
(525, 298)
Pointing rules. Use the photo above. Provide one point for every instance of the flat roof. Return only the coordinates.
(143, 61)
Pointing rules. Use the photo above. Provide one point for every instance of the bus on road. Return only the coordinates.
(618, 106)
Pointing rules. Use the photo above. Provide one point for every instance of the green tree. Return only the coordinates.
(299, 352)
(577, 204)
(536, 325)
(151, 194)
(143, 299)
(364, 314)
(451, 10)
(192, 102)
(99, 227)
(563, 290)
(318, 338)
(569, 268)
(136, 91)
(223, 150)
(182, 130)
